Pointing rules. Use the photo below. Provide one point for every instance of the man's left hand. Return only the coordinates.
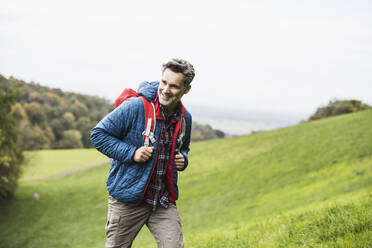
(179, 160)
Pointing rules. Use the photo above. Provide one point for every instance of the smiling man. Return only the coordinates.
(142, 181)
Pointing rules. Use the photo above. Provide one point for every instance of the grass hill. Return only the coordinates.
(303, 186)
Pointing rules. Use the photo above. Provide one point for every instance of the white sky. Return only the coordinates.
(276, 56)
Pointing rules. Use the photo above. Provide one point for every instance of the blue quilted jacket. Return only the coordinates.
(119, 134)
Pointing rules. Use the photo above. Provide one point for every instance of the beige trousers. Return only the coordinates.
(125, 221)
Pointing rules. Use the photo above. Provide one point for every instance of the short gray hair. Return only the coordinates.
(182, 66)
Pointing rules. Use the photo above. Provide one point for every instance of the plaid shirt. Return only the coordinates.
(157, 192)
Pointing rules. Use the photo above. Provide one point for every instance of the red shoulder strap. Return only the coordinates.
(127, 93)
(149, 114)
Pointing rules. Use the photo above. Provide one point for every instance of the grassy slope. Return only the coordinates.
(278, 170)
(268, 189)
(237, 180)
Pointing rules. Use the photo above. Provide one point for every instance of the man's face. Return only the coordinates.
(171, 89)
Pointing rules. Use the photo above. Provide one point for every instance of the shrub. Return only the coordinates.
(338, 107)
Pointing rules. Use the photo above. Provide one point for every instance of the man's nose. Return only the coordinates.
(166, 89)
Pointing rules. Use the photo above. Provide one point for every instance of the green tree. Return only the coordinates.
(11, 156)
(35, 96)
(35, 113)
(84, 125)
(69, 120)
(18, 113)
(53, 112)
(52, 99)
(71, 139)
(79, 109)
(58, 127)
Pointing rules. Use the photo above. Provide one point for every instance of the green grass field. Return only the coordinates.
(46, 163)
(303, 186)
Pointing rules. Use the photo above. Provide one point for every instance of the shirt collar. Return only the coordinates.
(160, 111)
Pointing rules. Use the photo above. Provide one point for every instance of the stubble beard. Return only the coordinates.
(168, 104)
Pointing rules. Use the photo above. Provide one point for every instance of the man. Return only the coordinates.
(142, 181)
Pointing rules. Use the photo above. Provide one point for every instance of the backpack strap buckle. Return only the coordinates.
(149, 136)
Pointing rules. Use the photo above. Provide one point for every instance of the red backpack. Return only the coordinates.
(150, 115)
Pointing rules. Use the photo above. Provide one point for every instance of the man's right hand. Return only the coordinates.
(143, 154)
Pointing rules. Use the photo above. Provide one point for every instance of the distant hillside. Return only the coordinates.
(303, 186)
(50, 118)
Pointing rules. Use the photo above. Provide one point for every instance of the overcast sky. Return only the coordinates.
(273, 56)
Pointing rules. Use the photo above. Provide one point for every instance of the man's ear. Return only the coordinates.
(188, 87)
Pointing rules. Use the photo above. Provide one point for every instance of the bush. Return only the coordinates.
(338, 107)
(201, 132)
(11, 156)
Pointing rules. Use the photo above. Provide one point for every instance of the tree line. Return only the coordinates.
(49, 118)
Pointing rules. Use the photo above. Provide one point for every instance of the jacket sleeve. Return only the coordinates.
(107, 135)
(186, 144)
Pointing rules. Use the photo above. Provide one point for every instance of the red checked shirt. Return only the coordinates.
(157, 192)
